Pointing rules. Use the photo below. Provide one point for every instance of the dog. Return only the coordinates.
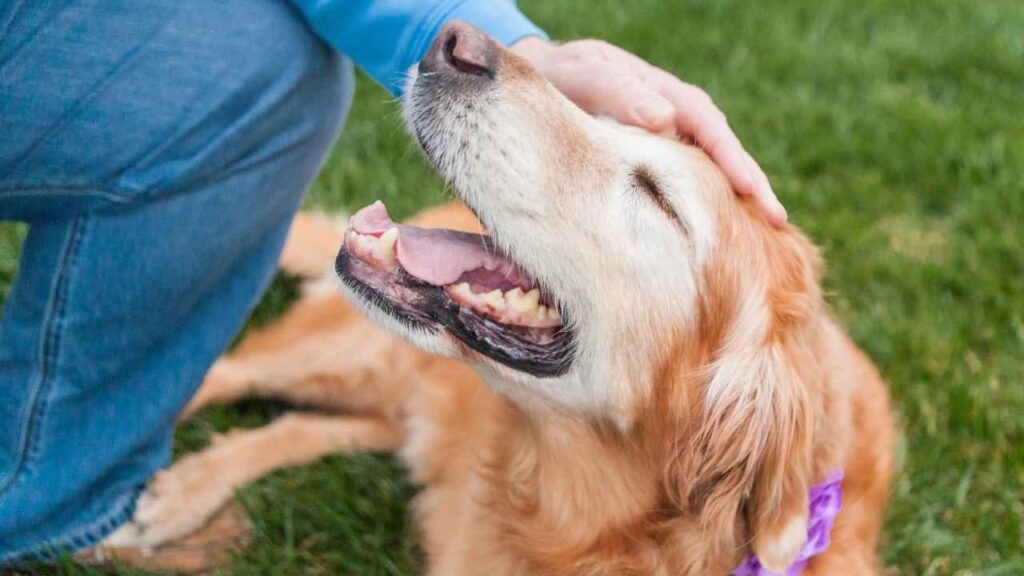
(630, 373)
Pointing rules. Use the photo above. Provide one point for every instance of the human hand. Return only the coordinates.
(603, 79)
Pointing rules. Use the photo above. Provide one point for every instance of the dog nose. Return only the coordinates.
(461, 47)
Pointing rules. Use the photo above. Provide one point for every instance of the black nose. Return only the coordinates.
(462, 48)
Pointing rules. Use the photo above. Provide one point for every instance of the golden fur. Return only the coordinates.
(710, 391)
(509, 494)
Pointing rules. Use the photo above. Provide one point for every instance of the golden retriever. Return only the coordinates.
(632, 373)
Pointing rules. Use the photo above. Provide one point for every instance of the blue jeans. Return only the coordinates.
(158, 150)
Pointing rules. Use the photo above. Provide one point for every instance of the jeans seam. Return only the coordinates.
(49, 343)
(59, 190)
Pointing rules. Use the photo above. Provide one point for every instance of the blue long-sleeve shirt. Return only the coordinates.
(386, 37)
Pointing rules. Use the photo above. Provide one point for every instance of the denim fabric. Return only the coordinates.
(158, 150)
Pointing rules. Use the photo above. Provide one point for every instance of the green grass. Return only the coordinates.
(893, 130)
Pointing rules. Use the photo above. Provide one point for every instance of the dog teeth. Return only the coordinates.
(461, 292)
(514, 298)
(379, 251)
(514, 307)
(386, 244)
(522, 302)
(532, 298)
(495, 299)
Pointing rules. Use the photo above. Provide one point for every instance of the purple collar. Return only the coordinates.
(825, 500)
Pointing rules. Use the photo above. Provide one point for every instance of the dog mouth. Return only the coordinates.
(458, 281)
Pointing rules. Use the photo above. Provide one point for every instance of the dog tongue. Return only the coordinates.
(434, 255)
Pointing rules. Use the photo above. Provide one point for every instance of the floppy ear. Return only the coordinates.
(748, 459)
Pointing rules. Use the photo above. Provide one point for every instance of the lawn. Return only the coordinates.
(893, 130)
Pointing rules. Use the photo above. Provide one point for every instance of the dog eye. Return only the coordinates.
(645, 182)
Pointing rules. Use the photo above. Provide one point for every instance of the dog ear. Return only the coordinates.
(747, 459)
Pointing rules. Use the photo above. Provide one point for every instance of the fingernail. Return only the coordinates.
(781, 214)
(654, 110)
(774, 208)
(751, 187)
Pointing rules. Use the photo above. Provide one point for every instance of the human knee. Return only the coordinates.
(280, 63)
(263, 89)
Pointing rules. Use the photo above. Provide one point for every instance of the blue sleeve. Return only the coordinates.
(386, 37)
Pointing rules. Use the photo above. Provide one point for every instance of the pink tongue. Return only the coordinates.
(437, 256)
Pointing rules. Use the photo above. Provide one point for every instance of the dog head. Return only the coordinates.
(659, 296)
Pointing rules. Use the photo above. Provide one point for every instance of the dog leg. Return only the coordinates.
(356, 369)
(321, 352)
(182, 498)
(220, 386)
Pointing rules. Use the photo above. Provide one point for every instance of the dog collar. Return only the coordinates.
(825, 500)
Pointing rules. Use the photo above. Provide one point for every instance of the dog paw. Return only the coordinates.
(177, 502)
(212, 546)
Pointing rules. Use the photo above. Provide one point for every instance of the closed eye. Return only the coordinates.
(646, 184)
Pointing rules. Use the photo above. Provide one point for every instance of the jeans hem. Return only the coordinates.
(80, 539)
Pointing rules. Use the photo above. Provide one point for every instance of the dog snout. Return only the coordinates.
(461, 48)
